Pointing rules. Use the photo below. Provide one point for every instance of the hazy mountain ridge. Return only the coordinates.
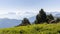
(55, 14)
(5, 22)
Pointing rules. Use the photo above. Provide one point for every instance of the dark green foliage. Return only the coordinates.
(41, 17)
(47, 20)
(58, 19)
(37, 28)
(58, 31)
(38, 19)
(36, 22)
(22, 31)
(25, 21)
(50, 17)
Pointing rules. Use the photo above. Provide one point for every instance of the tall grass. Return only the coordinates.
(33, 29)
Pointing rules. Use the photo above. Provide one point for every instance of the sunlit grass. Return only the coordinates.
(33, 29)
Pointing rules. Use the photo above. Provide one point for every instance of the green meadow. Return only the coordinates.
(33, 29)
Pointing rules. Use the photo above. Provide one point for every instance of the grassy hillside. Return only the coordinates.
(33, 29)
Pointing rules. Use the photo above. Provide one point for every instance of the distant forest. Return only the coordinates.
(41, 18)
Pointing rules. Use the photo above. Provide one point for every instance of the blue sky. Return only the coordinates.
(18, 9)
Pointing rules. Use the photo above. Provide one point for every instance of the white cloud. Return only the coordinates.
(17, 14)
(21, 13)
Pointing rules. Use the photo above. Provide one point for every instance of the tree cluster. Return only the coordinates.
(41, 18)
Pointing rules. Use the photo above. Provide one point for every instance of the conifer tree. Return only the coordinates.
(41, 17)
(25, 21)
(50, 17)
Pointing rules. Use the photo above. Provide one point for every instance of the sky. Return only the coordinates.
(19, 9)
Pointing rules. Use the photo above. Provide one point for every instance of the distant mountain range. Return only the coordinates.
(5, 22)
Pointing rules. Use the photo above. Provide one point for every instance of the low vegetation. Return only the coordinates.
(33, 29)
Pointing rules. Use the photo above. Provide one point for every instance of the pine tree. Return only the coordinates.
(50, 17)
(41, 17)
(25, 21)
(58, 20)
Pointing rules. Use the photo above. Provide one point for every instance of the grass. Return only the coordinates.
(33, 29)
